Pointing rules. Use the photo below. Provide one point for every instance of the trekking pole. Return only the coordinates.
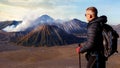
(79, 58)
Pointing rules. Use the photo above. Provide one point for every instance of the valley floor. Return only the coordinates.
(12, 56)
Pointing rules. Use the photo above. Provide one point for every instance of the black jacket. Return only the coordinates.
(94, 36)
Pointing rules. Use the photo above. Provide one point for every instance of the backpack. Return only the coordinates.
(110, 39)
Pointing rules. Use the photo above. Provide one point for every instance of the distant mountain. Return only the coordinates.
(45, 31)
(44, 19)
(117, 28)
(74, 26)
(4, 24)
(48, 35)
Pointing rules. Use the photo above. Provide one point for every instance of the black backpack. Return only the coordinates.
(110, 39)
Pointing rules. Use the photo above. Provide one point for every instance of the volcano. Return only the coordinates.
(74, 26)
(48, 35)
(44, 19)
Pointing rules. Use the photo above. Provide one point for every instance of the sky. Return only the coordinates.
(58, 9)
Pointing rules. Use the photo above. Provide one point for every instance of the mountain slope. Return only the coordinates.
(48, 35)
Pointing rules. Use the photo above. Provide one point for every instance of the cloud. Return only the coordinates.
(40, 3)
(55, 8)
(29, 3)
(11, 12)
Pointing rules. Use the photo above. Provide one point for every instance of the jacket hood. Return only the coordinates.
(101, 19)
